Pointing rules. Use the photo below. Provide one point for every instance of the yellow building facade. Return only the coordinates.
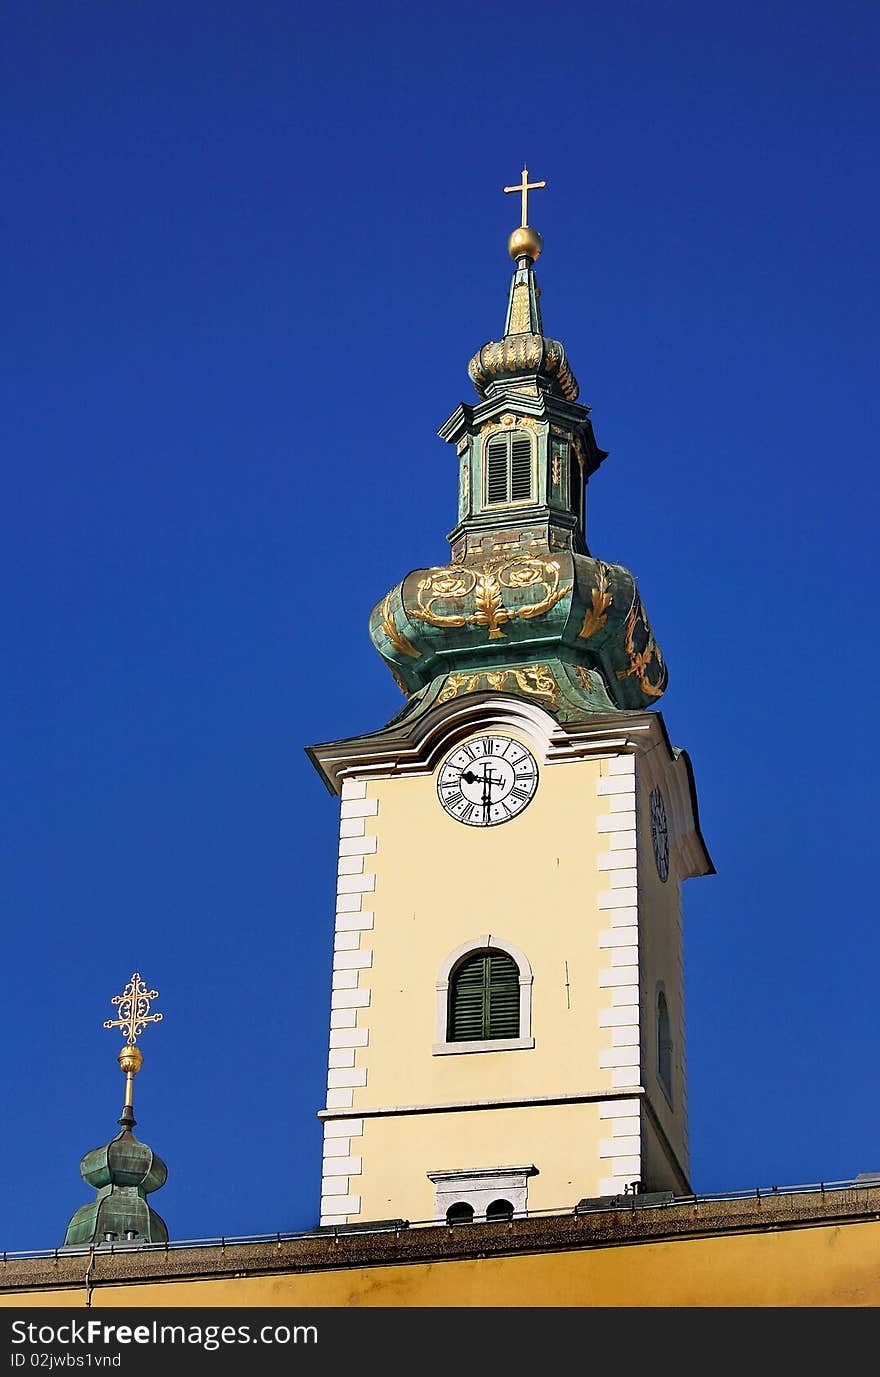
(814, 1249)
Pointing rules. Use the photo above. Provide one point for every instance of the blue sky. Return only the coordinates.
(247, 251)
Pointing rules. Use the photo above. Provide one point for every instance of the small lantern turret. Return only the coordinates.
(125, 1170)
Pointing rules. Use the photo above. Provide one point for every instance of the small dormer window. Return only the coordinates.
(508, 469)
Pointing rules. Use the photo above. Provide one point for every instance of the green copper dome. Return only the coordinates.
(123, 1172)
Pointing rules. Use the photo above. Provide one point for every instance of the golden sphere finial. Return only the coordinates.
(131, 1059)
(525, 241)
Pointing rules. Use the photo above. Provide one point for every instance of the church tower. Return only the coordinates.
(507, 1011)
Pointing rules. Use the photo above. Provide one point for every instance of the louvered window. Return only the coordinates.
(520, 469)
(484, 998)
(509, 469)
(496, 471)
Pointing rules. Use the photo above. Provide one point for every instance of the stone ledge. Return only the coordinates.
(440, 1242)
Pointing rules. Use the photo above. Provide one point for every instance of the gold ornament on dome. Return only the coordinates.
(597, 615)
(640, 661)
(510, 422)
(134, 1015)
(397, 638)
(584, 679)
(520, 316)
(520, 354)
(535, 680)
(134, 1009)
(487, 586)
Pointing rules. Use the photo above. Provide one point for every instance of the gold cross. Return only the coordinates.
(134, 1009)
(524, 187)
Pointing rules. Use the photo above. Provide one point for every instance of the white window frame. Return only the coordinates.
(442, 1046)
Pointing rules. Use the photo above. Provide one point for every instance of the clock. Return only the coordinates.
(488, 780)
(659, 834)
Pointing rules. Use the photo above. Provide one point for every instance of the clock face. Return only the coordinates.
(660, 834)
(487, 780)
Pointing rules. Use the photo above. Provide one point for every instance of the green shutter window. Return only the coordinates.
(496, 471)
(484, 998)
(508, 469)
(520, 469)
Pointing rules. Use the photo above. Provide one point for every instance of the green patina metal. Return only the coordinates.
(123, 1172)
(522, 606)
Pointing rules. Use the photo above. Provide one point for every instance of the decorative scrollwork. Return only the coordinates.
(535, 680)
(134, 1009)
(397, 638)
(597, 615)
(487, 584)
(641, 660)
(510, 422)
(583, 677)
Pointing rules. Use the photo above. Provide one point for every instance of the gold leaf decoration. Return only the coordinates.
(491, 611)
(597, 615)
(538, 681)
(487, 584)
(456, 684)
(640, 661)
(509, 422)
(535, 680)
(397, 638)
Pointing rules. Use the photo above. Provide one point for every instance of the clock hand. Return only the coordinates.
(487, 776)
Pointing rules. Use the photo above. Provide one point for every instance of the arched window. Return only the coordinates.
(508, 469)
(481, 1193)
(484, 998)
(500, 1209)
(664, 1044)
(460, 1213)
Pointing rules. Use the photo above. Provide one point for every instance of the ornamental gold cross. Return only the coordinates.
(524, 187)
(134, 1009)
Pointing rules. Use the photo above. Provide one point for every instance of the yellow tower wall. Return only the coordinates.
(564, 888)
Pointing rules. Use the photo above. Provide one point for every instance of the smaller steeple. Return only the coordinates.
(125, 1170)
(524, 357)
(524, 247)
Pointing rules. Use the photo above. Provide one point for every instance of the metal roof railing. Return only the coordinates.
(600, 1205)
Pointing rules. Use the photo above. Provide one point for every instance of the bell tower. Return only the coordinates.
(507, 1011)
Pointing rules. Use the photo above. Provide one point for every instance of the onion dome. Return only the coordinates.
(554, 625)
(524, 352)
(124, 1171)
